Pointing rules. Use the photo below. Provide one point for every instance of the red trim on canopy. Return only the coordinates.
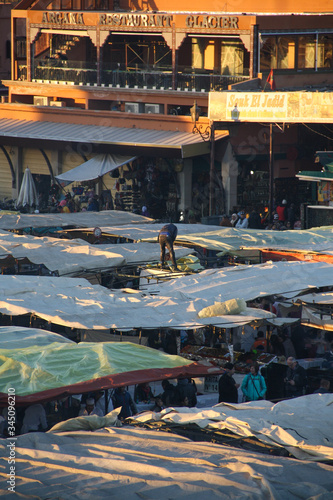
(113, 381)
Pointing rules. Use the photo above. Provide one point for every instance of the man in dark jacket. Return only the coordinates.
(228, 389)
(295, 380)
(166, 237)
(186, 393)
(121, 397)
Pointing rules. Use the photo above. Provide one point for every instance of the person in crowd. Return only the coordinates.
(228, 389)
(166, 238)
(34, 419)
(225, 221)
(100, 401)
(254, 220)
(289, 349)
(281, 210)
(121, 397)
(291, 216)
(254, 385)
(276, 345)
(63, 208)
(169, 393)
(93, 205)
(298, 339)
(242, 222)
(186, 389)
(267, 304)
(328, 358)
(159, 405)
(295, 380)
(70, 203)
(260, 343)
(144, 211)
(143, 393)
(324, 387)
(170, 342)
(90, 409)
(233, 219)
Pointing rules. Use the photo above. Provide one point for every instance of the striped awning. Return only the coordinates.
(129, 141)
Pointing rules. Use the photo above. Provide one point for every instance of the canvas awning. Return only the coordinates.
(135, 141)
(94, 168)
(308, 175)
(51, 371)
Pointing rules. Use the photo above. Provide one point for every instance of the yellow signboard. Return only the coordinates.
(293, 107)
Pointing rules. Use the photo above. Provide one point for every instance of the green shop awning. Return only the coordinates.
(315, 176)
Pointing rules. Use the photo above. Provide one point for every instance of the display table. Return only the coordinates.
(311, 363)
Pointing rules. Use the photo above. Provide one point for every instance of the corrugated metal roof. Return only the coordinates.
(185, 143)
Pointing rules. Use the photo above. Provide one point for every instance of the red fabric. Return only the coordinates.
(281, 211)
(270, 80)
(116, 380)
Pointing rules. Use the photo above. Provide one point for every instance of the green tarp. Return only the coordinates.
(38, 373)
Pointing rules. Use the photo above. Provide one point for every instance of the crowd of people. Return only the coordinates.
(284, 217)
(253, 387)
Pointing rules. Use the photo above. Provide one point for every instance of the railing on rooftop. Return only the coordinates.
(114, 75)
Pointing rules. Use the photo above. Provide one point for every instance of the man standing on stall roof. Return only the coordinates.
(166, 238)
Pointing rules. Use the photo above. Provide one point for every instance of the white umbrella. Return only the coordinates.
(28, 192)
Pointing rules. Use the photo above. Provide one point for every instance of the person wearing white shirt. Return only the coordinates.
(34, 419)
(90, 409)
(242, 222)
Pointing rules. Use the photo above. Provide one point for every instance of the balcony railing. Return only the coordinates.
(82, 73)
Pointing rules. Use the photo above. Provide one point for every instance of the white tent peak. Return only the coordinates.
(96, 167)
(28, 192)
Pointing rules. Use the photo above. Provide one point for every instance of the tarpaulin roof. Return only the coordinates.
(41, 373)
(231, 239)
(148, 232)
(94, 168)
(301, 425)
(75, 303)
(74, 257)
(226, 240)
(77, 219)
(250, 282)
(317, 310)
(132, 463)
(13, 337)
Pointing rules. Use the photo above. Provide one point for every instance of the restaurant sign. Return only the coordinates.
(293, 107)
(135, 20)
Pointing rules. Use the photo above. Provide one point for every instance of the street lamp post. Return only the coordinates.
(208, 134)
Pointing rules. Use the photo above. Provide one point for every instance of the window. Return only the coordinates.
(285, 52)
(325, 50)
(303, 51)
(306, 53)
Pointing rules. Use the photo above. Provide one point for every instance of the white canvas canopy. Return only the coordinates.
(77, 219)
(75, 303)
(94, 168)
(250, 282)
(74, 257)
(142, 463)
(226, 240)
(301, 425)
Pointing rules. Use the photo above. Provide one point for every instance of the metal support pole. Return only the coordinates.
(271, 170)
(212, 168)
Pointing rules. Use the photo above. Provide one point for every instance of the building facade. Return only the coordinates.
(141, 66)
